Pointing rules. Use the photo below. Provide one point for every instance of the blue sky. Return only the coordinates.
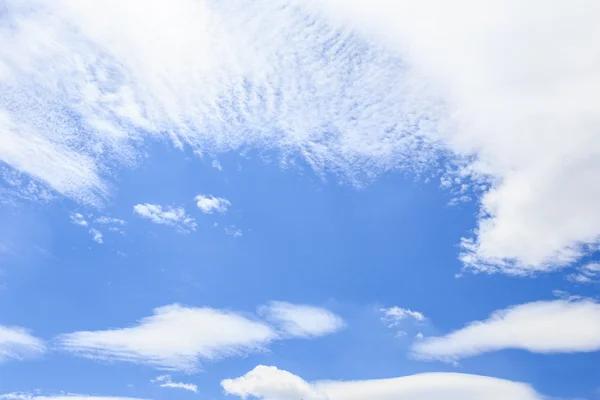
(297, 200)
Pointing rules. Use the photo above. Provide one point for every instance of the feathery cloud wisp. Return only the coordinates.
(18, 344)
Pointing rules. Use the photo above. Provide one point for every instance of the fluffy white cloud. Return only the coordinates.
(30, 396)
(172, 216)
(210, 204)
(174, 338)
(271, 383)
(17, 344)
(165, 381)
(179, 338)
(518, 104)
(301, 320)
(559, 326)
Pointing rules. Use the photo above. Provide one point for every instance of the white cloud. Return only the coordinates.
(271, 383)
(217, 77)
(301, 320)
(30, 396)
(165, 381)
(174, 338)
(395, 317)
(96, 235)
(518, 102)
(78, 219)
(589, 273)
(180, 338)
(217, 165)
(233, 231)
(210, 204)
(463, 78)
(559, 326)
(18, 344)
(172, 216)
(110, 221)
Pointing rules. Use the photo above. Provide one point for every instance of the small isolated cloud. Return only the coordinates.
(171, 216)
(78, 219)
(165, 381)
(110, 221)
(301, 320)
(589, 273)
(210, 204)
(233, 231)
(395, 317)
(217, 165)
(559, 326)
(30, 396)
(18, 344)
(96, 235)
(271, 383)
(174, 338)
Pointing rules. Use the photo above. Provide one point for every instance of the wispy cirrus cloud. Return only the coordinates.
(217, 78)
(165, 381)
(355, 87)
(180, 338)
(271, 383)
(588, 273)
(17, 344)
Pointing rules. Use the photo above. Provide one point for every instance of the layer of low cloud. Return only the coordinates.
(18, 344)
(519, 103)
(166, 215)
(165, 381)
(271, 383)
(559, 326)
(180, 338)
(210, 204)
(301, 320)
